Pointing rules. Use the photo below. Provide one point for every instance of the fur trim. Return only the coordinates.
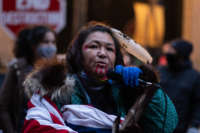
(63, 94)
(50, 78)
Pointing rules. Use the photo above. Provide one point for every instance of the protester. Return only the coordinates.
(30, 46)
(98, 50)
(94, 51)
(181, 82)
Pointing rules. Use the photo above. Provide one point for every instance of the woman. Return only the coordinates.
(30, 46)
(93, 52)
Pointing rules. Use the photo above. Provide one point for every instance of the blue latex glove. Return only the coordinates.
(129, 74)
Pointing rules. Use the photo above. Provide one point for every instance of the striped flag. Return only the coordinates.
(44, 117)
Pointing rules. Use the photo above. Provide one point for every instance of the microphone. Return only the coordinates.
(111, 74)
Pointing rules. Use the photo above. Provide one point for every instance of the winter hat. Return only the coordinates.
(183, 48)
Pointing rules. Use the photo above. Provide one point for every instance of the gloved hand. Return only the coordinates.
(129, 74)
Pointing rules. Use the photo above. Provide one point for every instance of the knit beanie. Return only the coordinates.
(183, 48)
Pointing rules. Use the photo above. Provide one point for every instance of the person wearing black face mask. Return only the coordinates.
(181, 83)
(177, 55)
(173, 61)
(176, 62)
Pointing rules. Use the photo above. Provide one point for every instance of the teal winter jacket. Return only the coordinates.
(158, 117)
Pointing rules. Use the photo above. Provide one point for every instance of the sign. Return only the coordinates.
(17, 14)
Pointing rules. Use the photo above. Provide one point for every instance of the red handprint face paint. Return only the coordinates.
(98, 54)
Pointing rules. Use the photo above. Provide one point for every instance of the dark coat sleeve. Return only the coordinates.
(6, 97)
(195, 121)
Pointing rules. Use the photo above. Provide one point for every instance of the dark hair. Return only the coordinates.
(28, 39)
(74, 53)
(38, 34)
(23, 47)
(149, 73)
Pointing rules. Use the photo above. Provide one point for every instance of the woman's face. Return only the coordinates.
(47, 47)
(99, 54)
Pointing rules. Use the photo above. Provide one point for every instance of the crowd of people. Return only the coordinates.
(44, 94)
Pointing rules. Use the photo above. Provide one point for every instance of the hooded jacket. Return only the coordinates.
(183, 87)
(47, 84)
(181, 82)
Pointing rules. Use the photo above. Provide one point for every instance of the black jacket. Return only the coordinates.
(12, 98)
(183, 87)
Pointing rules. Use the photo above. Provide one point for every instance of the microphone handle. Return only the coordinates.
(117, 77)
(146, 83)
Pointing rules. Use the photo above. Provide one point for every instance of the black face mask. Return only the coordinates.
(174, 62)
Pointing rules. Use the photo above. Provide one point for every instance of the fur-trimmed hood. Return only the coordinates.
(50, 78)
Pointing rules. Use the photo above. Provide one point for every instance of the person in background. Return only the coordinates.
(181, 82)
(2, 72)
(31, 45)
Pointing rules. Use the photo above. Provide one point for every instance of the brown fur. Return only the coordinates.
(49, 78)
(52, 73)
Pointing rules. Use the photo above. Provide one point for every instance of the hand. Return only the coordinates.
(129, 74)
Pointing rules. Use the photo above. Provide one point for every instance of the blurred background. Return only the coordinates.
(150, 22)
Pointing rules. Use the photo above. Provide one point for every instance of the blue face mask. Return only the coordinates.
(46, 51)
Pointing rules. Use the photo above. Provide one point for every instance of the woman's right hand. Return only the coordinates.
(129, 75)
